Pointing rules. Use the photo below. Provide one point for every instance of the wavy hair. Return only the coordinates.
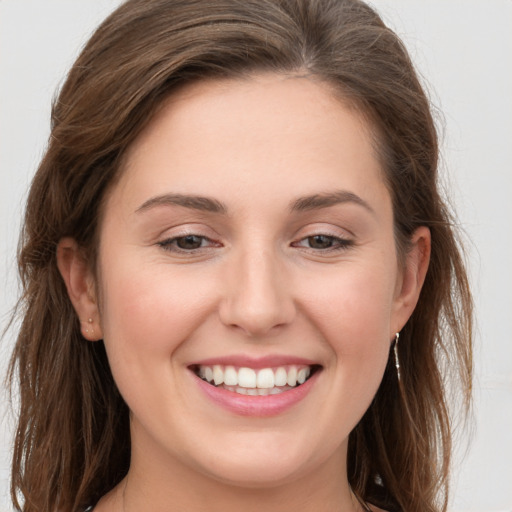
(72, 441)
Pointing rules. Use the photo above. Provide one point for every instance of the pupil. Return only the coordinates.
(189, 242)
(320, 242)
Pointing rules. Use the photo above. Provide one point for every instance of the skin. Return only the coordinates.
(257, 285)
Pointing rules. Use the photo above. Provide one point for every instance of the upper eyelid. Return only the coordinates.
(181, 230)
(341, 233)
(325, 225)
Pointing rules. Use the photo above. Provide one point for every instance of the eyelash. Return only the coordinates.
(336, 243)
(170, 244)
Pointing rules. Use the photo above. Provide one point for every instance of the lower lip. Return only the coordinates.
(259, 406)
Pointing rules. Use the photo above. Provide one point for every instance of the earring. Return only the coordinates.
(397, 360)
(86, 330)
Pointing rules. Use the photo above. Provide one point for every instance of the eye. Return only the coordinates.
(190, 242)
(323, 242)
(320, 241)
(187, 243)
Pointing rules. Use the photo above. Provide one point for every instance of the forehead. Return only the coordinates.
(270, 133)
(278, 100)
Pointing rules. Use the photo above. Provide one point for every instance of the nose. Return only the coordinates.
(258, 298)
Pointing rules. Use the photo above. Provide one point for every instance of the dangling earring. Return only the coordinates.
(397, 360)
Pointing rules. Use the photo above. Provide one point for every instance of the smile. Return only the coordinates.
(255, 382)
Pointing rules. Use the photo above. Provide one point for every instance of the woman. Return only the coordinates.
(242, 287)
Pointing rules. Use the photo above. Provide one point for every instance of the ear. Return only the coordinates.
(411, 278)
(80, 284)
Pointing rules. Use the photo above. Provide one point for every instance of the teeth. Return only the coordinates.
(247, 378)
(291, 378)
(254, 392)
(208, 374)
(255, 382)
(230, 376)
(265, 379)
(281, 377)
(218, 375)
(301, 376)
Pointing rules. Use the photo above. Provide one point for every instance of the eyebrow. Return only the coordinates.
(205, 204)
(208, 204)
(318, 201)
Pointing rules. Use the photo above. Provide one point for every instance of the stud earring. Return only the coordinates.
(397, 360)
(86, 330)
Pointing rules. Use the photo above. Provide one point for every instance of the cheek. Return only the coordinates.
(147, 313)
(352, 309)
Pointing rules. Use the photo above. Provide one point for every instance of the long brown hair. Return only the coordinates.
(72, 441)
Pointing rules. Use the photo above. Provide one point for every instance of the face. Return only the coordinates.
(248, 281)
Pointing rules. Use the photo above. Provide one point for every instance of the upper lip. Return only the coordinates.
(244, 360)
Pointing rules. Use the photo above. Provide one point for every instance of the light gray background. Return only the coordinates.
(463, 49)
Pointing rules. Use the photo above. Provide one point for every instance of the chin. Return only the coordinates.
(262, 463)
(255, 475)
